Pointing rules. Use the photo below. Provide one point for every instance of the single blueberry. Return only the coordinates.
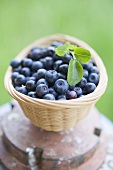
(88, 66)
(94, 78)
(25, 71)
(63, 68)
(14, 63)
(36, 53)
(51, 76)
(82, 83)
(20, 80)
(56, 57)
(52, 91)
(32, 94)
(40, 74)
(61, 86)
(31, 78)
(18, 69)
(36, 66)
(27, 62)
(49, 97)
(89, 88)
(94, 69)
(48, 63)
(50, 50)
(78, 90)
(57, 64)
(14, 75)
(42, 81)
(86, 74)
(56, 44)
(41, 90)
(22, 90)
(30, 85)
(71, 94)
(66, 59)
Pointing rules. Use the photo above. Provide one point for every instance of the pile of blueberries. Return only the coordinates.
(42, 74)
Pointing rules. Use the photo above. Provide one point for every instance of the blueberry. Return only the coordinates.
(43, 61)
(18, 69)
(26, 71)
(14, 63)
(71, 95)
(82, 83)
(14, 75)
(61, 97)
(51, 76)
(41, 90)
(36, 66)
(48, 63)
(63, 68)
(89, 88)
(50, 50)
(94, 69)
(32, 94)
(57, 64)
(78, 90)
(56, 57)
(30, 85)
(94, 78)
(27, 62)
(17, 87)
(86, 73)
(52, 91)
(66, 59)
(61, 76)
(42, 81)
(88, 66)
(22, 89)
(61, 86)
(36, 54)
(40, 74)
(49, 97)
(31, 78)
(56, 44)
(20, 80)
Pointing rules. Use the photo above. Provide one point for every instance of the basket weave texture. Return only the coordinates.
(58, 115)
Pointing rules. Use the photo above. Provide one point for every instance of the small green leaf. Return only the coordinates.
(61, 50)
(75, 72)
(82, 55)
(69, 46)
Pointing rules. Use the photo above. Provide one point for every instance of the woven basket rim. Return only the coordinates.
(92, 97)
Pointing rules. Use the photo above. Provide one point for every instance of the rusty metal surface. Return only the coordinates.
(66, 150)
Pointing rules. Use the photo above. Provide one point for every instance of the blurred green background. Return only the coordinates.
(23, 21)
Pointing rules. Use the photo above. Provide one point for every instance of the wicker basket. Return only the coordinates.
(58, 115)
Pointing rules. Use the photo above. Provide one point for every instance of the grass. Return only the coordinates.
(22, 22)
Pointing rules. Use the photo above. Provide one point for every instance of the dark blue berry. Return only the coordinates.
(42, 81)
(71, 95)
(86, 74)
(14, 63)
(27, 62)
(61, 97)
(31, 78)
(57, 64)
(18, 69)
(41, 90)
(56, 44)
(51, 76)
(61, 86)
(49, 97)
(52, 91)
(14, 75)
(89, 88)
(66, 59)
(30, 85)
(48, 64)
(94, 78)
(82, 83)
(20, 80)
(94, 69)
(78, 90)
(40, 74)
(32, 94)
(56, 57)
(25, 71)
(36, 53)
(88, 66)
(63, 68)
(36, 66)
(22, 90)
(50, 50)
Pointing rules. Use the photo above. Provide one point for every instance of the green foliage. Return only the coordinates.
(75, 69)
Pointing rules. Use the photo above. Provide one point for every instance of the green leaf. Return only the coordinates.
(69, 46)
(61, 50)
(82, 55)
(75, 72)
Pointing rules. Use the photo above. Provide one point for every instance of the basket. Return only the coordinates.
(58, 115)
